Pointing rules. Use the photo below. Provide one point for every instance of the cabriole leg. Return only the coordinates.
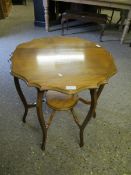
(93, 93)
(41, 117)
(23, 99)
(98, 95)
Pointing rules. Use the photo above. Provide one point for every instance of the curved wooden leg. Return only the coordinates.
(23, 99)
(98, 94)
(50, 119)
(41, 117)
(93, 93)
(100, 90)
(75, 117)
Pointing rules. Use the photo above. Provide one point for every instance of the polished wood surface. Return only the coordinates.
(63, 64)
(60, 101)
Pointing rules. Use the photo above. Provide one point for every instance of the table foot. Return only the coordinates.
(24, 116)
(94, 116)
(81, 138)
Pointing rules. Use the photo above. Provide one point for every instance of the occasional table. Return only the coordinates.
(67, 65)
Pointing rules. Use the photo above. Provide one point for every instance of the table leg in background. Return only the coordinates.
(46, 15)
(126, 28)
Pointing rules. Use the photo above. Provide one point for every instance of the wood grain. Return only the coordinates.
(56, 63)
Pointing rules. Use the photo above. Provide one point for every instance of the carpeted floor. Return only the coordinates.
(107, 142)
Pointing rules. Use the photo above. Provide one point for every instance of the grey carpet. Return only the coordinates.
(107, 143)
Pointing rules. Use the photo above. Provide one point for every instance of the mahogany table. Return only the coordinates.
(63, 64)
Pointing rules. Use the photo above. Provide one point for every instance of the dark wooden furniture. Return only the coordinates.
(116, 4)
(19, 2)
(66, 65)
(100, 19)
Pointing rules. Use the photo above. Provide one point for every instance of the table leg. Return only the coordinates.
(126, 28)
(46, 15)
(93, 94)
(98, 94)
(94, 97)
(23, 99)
(41, 117)
(89, 102)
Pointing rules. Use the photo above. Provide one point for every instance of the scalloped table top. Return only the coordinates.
(65, 64)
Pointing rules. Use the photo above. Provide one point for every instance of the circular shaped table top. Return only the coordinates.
(65, 64)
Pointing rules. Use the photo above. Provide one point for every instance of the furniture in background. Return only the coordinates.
(19, 2)
(62, 65)
(99, 10)
(100, 19)
(25, 2)
(5, 7)
(86, 14)
(39, 13)
(116, 4)
(1, 11)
